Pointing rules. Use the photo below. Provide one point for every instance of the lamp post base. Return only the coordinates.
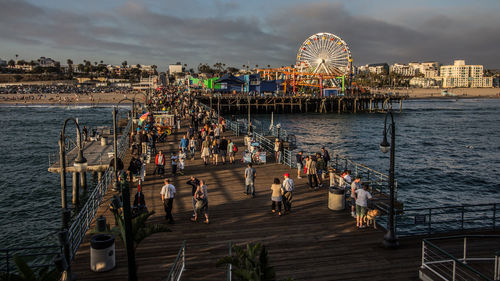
(390, 240)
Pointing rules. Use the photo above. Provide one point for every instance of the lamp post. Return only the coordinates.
(127, 217)
(390, 239)
(80, 165)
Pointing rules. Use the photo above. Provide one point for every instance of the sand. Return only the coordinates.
(114, 97)
(65, 99)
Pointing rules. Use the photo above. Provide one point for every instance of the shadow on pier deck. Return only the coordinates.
(311, 243)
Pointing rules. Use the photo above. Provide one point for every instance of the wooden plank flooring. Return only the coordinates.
(311, 243)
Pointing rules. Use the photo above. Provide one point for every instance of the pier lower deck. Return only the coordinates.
(311, 243)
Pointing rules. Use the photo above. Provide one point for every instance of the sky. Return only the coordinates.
(262, 32)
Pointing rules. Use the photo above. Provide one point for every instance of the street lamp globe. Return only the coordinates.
(80, 163)
(384, 145)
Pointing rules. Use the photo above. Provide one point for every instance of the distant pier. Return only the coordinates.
(240, 104)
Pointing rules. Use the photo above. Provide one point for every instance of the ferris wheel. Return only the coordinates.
(324, 53)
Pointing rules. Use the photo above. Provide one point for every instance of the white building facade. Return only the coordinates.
(460, 75)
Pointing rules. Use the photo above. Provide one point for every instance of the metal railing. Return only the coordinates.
(229, 266)
(36, 257)
(179, 264)
(83, 219)
(426, 221)
(454, 263)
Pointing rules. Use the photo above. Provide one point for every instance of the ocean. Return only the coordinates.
(447, 152)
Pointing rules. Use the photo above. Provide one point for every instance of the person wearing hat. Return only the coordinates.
(287, 187)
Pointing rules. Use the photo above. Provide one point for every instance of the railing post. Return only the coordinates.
(184, 256)
(496, 274)
(423, 254)
(230, 267)
(465, 250)
(454, 270)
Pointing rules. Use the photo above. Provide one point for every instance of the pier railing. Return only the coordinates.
(36, 257)
(81, 222)
(179, 265)
(454, 262)
(427, 221)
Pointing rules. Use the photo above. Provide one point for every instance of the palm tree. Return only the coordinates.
(26, 273)
(140, 229)
(250, 263)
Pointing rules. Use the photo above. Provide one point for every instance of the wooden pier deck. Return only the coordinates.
(311, 243)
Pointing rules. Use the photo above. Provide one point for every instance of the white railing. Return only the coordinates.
(179, 265)
(445, 266)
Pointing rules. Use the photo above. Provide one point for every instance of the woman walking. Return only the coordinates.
(277, 193)
(201, 197)
(205, 150)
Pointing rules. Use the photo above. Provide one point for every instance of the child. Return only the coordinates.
(182, 158)
(174, 163)
(276, 196)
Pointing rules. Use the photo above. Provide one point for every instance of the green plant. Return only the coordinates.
(250, 263)
(26, 273)
(140, 228)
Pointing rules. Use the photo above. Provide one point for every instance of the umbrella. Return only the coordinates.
(143, 117)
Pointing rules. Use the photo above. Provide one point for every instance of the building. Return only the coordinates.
(422, 82)
(377, 68)
(175, 68)
(460, 75)
(47, 62)
(3, 63)
(402, 69)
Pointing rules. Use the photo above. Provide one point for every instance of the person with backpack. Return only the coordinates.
(232, 149)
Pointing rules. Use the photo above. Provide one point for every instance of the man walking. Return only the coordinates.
(287, 186)
(167, 197)
(193, 182)
(250, 174)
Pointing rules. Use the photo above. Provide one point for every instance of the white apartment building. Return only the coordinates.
(460, 75)
(402, 69)
(422, 82)
(175, 68)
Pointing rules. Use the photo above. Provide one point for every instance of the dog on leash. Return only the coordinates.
(371, 217)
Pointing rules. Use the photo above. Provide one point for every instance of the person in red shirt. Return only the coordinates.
(160, 164)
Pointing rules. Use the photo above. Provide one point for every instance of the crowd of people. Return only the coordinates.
(204, 138)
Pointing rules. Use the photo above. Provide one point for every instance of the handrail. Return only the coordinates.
(432, 220)
(177, 268)
(449, 267)
(84, 218)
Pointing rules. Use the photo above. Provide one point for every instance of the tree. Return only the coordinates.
(140, 228)
(80, 67)
(70, 65)
(124, 64)
(138, 65)
(11, 63)
(250, 263)
(26, 273)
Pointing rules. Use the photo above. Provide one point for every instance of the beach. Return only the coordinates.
(64, 99)
(113, 97)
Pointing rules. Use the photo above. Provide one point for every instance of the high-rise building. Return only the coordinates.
(461, 75)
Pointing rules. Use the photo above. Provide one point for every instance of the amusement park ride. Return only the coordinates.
(323, 61)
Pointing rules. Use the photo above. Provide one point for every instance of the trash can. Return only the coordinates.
(336, 200)
(102, 252)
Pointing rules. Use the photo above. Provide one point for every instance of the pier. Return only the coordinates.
(311, 243)
(241, 104)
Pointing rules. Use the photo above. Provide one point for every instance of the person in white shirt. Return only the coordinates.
(167, 197)
(362, 197)
(182, 158)
(287, 186)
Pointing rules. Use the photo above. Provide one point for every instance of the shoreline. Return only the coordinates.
(108, 99)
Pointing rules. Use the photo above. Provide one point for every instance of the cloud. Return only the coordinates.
(194, 31)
